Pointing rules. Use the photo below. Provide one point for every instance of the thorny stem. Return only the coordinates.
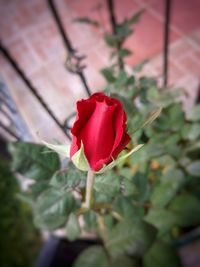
(89, 188)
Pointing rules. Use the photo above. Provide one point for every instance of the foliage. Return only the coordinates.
(137, 205)
(20, 241)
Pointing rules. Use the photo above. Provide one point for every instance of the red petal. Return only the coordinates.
(98, 134)
(85, 109)
(124, 141)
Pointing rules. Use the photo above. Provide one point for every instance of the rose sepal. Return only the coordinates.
(63, 150)
(80, 161)
(118, 160)
(150, 118)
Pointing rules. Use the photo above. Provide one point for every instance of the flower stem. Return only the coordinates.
(89, 188)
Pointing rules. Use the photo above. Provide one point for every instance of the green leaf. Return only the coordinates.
(90, 220)
(87, 20)
(162, 98)
(79, 159)
(25, 198)
(131, 81)
(161, 254)
(124, 52)
(140, 180)
(173, 139)
(52, 208)
(162, 219)
(62, 150)
(167, 188)
(70, 178)
(194, 147)
(172, 118)
(72, 227)
(38, 187)
(108, 74)
(140, 66)
(121, 80)
(187, 209)
(194, 113)
(174, 150)
(124, 261)
(128, 187)
(32, 161)
(125, 207)
(132, 236)
(121, 53)
(94, 256)
(102, 198)
(123, 31)
(166, 161)
(185, 130)
(111, 40)
(109, 221)
(135, 17)
(108, 183)
(194, 168)
(194, 132)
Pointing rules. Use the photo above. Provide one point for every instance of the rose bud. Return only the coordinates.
(99, 132)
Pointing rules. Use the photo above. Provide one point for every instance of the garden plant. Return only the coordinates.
(131, 175)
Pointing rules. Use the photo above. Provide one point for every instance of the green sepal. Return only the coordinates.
(152, 116)
(62, 150)
(119, 159)
(80, 161)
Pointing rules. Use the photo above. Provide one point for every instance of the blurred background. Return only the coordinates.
(38, 92)
(29, 32)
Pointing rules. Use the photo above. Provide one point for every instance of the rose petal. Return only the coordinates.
(98, 134)
(85, 109)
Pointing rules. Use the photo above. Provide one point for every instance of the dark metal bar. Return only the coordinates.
(4, 101)
(6, 114)
(198, 96)
(112, 15)
(113, 22)
(166, 42)
(60, 26)
(5, 128)
(30, 86)
(20, 126)
(69, 46)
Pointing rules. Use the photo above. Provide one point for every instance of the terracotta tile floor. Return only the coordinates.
(29, 32)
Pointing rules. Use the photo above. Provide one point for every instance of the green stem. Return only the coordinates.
(89, 189)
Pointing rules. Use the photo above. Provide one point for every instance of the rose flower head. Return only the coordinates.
(99, 132)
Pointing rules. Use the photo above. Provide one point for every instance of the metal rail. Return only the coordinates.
(30, 86)
(166, 42)
(113, 22)
(75, 67)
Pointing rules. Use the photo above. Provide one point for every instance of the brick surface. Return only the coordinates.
(180, 49)
(29, 32)
(184, 14)
(146, 42)
(191, 63)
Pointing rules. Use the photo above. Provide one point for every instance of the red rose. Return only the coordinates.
(101, 127)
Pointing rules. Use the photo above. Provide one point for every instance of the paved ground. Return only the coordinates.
(29, 32)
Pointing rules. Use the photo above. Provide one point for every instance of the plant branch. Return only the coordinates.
(89, 189)
(101, 226)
